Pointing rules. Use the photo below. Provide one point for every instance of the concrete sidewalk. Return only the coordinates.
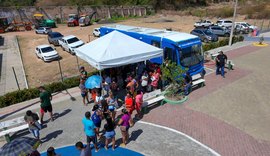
(11, 58)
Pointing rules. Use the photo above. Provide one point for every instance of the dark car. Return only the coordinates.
(53, 38)
(205, 35)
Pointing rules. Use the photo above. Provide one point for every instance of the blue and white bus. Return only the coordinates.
(182, 48)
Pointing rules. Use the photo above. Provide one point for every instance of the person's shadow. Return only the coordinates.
(58, 115)
(52, 135)
(133, 137)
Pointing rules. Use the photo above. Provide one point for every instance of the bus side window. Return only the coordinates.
(170, 54)
(155, 43)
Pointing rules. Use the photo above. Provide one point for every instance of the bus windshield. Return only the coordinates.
(190, 56)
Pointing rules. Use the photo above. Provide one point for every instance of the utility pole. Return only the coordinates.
(234, 16)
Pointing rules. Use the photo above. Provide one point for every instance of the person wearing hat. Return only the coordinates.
(221, 59)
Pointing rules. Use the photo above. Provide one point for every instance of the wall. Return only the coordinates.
(53, 12)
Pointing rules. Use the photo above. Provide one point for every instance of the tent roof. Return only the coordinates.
(116, 49)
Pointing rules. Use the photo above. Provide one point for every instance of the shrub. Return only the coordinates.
(221, 43)
(31, 93)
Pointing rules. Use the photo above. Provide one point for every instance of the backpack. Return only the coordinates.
(35, 116)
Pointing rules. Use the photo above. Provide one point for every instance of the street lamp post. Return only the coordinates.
(234, 16)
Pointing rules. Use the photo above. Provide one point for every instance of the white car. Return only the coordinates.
(245, 24)
(96, 32)
(224, 23)
(46, 53)
(204, 23)
(43, 30)
(70, 43)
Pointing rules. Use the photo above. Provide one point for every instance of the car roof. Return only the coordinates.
(69, 36)
(54, 32)
(43, 46)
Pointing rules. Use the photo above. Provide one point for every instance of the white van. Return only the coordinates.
(224, 23)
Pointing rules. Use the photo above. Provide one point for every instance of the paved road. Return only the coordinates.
(145, 139)
(11, 58)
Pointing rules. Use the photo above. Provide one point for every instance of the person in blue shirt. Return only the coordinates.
(90, 130)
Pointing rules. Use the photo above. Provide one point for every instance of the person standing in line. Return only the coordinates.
(221, 59)
(188, 82)
(98, 99)
(110, 132)
(45, 106)
(90, 130)
(83, 91)
(83, 73)
(97, 118)
(144, 81)
(32, 120)
(138, 103)
(129, 103)
(125, 123)
(84, 150)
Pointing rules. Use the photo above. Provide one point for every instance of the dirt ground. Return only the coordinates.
(39, 73)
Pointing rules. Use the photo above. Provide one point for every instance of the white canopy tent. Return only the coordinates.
(116, 49)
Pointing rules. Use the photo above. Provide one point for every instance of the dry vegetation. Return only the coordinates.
(39, 72)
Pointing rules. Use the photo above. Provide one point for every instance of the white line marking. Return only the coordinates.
(189, 137)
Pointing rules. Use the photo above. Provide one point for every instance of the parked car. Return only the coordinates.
(245, 24)
(224, 23)
(96, 32)
(46, 53)
(204, 23)
(53, 38)
(205, 35)
(70, 43)
(243, 29)
(43, 30)
(220, 31)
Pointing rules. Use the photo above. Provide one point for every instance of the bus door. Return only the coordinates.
(170, 54)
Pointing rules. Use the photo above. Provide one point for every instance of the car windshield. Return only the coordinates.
(72, 40)
(81, 20)
(207, 32)
(191, 56)
(47, 49)
(55, 35)
(219, 22)
(245, 25)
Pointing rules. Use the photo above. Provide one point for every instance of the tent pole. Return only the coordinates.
(101, 82)
(78, 62)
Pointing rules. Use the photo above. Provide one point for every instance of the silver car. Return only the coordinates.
(220, 31)
(53, 38)
(43, 30)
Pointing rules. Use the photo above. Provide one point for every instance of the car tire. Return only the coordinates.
(63, 48)
(72, 53)
(37, 56)
(205, 40)
(36, 32)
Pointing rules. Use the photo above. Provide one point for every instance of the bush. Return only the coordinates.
(31, 93)
(221, 43)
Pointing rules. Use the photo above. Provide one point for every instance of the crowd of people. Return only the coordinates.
(132, 80)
